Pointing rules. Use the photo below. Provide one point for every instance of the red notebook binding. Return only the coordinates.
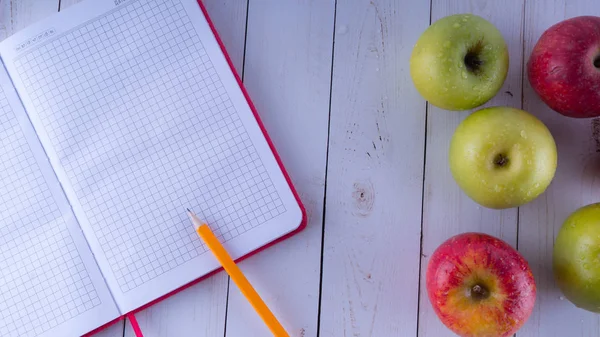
(131, 315)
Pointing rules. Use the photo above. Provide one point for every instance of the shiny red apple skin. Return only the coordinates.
(561, 67)
(476, 258)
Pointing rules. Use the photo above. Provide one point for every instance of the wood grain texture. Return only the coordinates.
(287, 74)
(577, 183)
(67, 3)
(115, 330)
(16, 15)
(196, 311)
(375, 178)
(201, 309)
(375, 173)
(447, 210)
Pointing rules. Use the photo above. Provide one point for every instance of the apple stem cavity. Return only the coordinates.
(479, 292)
(472, 60)
(500, 160)
(597, 62)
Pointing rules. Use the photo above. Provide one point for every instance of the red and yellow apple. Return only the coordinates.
(479, 286)
(564, 67)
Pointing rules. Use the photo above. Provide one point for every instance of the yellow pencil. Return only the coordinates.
(237, 276)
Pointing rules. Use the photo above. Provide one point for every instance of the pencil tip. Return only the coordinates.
(188, 210)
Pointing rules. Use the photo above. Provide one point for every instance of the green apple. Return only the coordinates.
(460, 62)
(576, 258)
(502, 157)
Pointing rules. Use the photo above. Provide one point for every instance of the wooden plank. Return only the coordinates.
(375, 173)
(66, 3)
(287, 73)
(16, 15)
(447, 210)
(196, 311)
(576, 184)
(201, 309)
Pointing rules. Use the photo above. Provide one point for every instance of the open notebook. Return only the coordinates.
(116, 116)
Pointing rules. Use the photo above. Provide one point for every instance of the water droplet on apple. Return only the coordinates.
(456, 25)
(523, 134)
(497, 188)
(429, 79)
(536, 185)
(464, 74)
(464, 19)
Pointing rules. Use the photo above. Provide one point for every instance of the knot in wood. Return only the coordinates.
(364, 196)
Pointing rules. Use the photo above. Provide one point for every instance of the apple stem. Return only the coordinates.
(500, 160)
(479, 293)
(472, 61)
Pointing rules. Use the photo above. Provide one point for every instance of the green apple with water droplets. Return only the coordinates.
(460, 62)
(502, 157)
(576, 258)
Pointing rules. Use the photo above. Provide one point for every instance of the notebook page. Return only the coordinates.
(142, 118)
(50, 284)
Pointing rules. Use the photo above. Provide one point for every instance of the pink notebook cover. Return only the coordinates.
(131, 315)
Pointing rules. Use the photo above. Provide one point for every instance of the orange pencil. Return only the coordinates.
(237, 276)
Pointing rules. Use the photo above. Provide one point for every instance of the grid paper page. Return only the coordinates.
(43, 280)
(143, 128)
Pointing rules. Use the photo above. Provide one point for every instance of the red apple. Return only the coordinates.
(479, 286)
(564, 67)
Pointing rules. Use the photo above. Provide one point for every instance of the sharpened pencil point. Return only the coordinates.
(197, 222)
(189, 210)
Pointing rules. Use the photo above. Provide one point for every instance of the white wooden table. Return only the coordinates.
(368, 155)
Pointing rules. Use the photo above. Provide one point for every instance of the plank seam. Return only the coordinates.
(522, 104)
(326, 172)
(423, 198)
(226, 307)
(242, 73)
